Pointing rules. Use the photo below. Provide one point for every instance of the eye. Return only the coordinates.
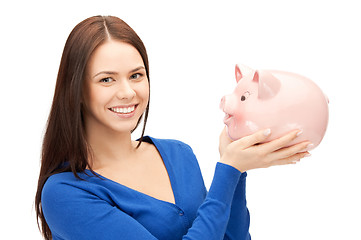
(136, 76)
(245, 96)
(107, 80)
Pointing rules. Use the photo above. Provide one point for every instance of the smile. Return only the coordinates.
(227, 118)
(123, 110)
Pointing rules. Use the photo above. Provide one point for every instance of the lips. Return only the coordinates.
(227, 118)
(123, 109)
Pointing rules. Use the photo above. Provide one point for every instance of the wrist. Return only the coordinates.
(233, 163)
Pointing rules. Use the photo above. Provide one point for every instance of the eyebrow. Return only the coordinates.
(114, 73)
(137, 69)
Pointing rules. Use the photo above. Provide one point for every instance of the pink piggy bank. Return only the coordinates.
(278, 100)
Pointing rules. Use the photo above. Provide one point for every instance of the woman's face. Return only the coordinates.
(116, 90)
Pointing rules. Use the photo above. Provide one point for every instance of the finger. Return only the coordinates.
(291, 160)
(289, 151)
(253, 139)
(282, 141)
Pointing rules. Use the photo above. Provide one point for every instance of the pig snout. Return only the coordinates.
(222, 103)
(228, 104)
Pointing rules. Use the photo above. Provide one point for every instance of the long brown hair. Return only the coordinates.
(65, 148)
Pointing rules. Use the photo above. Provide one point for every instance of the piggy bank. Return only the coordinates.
(281, 101)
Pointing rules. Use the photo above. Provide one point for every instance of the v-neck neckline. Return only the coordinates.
(168, 168)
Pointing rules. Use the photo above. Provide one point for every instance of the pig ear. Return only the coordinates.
(238, 73)
(242, 71)
(268, 85)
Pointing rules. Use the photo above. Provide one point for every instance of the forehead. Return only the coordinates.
(114, 55)
(246, 84)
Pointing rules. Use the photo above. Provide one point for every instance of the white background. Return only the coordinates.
(193, 47)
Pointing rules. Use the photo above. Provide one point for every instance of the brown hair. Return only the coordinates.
(64, 145)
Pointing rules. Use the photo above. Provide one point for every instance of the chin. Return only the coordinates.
(233, 132)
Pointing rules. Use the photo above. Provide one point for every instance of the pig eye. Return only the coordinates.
(245, 96)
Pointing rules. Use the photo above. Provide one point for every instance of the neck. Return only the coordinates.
(109, 147)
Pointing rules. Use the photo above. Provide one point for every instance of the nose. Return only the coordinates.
(227, 104)
(125, 91)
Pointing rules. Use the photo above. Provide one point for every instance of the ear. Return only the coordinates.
(242, 71)
(268, 85)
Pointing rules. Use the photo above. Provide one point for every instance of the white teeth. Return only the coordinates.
(123, 110)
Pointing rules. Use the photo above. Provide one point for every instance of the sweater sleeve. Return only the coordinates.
(213, 214)
(238, 225)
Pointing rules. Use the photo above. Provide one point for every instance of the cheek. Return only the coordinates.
(96, 97)
(143, 91)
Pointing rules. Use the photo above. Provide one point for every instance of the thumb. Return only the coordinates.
(254, 138)
(224, 140)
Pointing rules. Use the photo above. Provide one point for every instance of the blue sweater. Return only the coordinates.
(99, 208)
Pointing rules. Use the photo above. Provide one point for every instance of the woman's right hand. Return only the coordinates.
(246, 153)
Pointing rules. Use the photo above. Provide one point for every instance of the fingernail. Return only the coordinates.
(308, 155)
(267, 132)
(299, 133)
(309, 146)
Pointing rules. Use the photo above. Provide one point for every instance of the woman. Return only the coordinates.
(96, 183)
